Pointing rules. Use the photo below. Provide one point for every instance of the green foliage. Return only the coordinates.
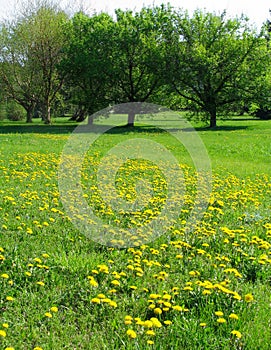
(14, 111)
(214, 62)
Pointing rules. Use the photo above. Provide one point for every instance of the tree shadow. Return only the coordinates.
(108, 129)
(218, 128)
(37, 129)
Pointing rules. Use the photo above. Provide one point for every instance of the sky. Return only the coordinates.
(257, 11)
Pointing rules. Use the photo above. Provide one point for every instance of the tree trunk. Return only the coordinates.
(29, 115)
(46, 113)
(213, 117)
(90, 120)
(131, 118)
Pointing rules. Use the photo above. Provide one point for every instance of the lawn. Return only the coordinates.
(206, 287)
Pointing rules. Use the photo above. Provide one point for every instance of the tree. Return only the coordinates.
(17, 77)
(213, 61)
(31, 48)
(86, 63)
(136, 55)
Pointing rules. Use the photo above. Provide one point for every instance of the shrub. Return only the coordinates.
(15, 112)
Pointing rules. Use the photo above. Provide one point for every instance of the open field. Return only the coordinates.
(209, 288)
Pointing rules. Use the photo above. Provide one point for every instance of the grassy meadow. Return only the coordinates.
(209, 288)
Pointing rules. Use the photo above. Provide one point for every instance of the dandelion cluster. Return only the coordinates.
(54, 279)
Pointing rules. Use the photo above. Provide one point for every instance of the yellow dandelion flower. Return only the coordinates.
(206, 291)
(156, 322)
(155, 296)
(237, 334)
(37, 348)
(150, 342)
(5, 325)
(177, 308)
(9, 348)
(166, 297)
(54, 309)
(234, 316)
(28, 274)
(101, 296)
(131, 333)
(188, 288)
(93, 283)
(237, 296)
(219, 313)
(112, 291)
(3, 333)
(150, 332)
(167, 322)
(9, 298)
(96, 301)
(5, 275)
(48, 314)
(203, 324)
(157, 311)
(133, 287)
(115, 282)
(113, 303)
(148, 324)
(128, 318)
(40, 283)
(249, 298)
(221, 320)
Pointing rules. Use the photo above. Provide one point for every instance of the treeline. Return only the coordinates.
(55, 64)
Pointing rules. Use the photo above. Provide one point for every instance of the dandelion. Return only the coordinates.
(9, 298)
(9, 348)
(96, 301)
(48, 314)
(115, 283)
(203, 324)
(156, 322)
(101, 296)
(157, 311)
(148, 324)
(131, 333)
(221, 320)
(113, 303)
(249, 298)
(206, 291)
(54, 309)
(219, 313)
(167, 322)
(237, 334)
(150, 342)
(233, 316)
(3, 333)
(40, 283)
(133, 287)
(177, 308)
(167, 297)
(5, 275)
(150, 332)
(5, 325)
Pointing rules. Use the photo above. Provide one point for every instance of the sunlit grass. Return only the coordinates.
(205, 289)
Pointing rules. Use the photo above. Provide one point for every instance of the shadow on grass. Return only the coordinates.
(36, 129)
(109, 129)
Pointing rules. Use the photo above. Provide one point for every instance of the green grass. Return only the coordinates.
(217, 266)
